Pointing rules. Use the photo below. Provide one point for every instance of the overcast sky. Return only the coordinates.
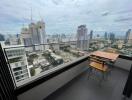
(63, 16)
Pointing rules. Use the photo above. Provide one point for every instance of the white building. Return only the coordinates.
(14, 40)
(130, 38)
(55, 46)
(26, 37)
(18, 62)
(34, 34)
(82, 38)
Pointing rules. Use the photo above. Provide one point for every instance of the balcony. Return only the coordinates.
(61, 73)
(65, 49)
(82, 88)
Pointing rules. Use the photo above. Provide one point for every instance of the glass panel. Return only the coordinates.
(29, 61)
(66, 32)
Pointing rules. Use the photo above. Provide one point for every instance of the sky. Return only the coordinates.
(64, 16)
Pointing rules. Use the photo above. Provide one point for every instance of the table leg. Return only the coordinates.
(89, 72)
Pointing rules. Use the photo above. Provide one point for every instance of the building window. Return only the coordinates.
(16, 64)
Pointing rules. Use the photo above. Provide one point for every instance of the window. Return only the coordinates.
(17, 69)
(16, 64)
(40, 58)
(22, 63)
(58, 38)
(21, 72)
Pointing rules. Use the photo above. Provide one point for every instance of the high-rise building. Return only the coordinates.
(106, 35)
(91, 34)
(26, 37)
(128, 37)
(18, 62)
(38, 32)
(2, 37)
(112, 37)
(14, 40)
(41, 31)
(34, 34)
(82, 38)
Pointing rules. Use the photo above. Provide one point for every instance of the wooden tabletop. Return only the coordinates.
(110, 56)
(99, 66)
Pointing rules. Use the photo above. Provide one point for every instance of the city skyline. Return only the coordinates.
(64, 16)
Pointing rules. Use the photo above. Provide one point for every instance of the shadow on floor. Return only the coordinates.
(83, 89)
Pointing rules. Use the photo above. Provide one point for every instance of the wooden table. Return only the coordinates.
(99, 66)
(110, 56)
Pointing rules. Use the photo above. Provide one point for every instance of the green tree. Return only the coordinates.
(32, 71)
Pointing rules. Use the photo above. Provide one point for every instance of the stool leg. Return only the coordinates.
(102, 78)
(89, 72)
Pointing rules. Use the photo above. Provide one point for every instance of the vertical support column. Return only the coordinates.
(6, 83)
(128, 87)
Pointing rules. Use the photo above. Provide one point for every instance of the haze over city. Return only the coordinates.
(65, 49)
(63, 16)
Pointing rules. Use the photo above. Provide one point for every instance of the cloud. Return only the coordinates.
(123, 19)
(105, 14)
(63, 16)
(57, 2)
(125, 11)
(88, 12)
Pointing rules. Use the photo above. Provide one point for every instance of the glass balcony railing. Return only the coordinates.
(114, 46)
(29, 61)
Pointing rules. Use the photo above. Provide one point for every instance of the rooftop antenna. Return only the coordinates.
(31, 16)
(40, 16)
(23, 22)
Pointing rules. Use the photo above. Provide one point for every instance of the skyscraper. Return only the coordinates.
(14, 40)
(128, 37)
(2, 37)
(112, 37)
(106, 35)
(34, 34)
(82, 38)
(26, 37)
(91, 34)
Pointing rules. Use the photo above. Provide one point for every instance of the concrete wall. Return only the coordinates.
(43, 90)
(123, 63)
